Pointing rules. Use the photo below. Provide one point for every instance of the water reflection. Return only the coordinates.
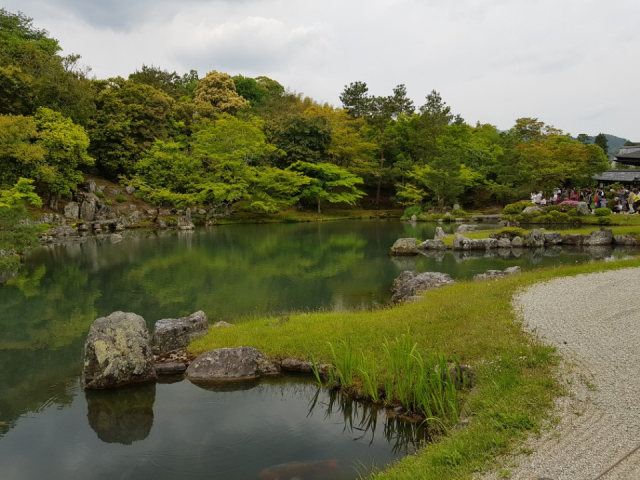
(122, 415)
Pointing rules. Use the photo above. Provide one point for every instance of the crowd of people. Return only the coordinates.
(621, 200)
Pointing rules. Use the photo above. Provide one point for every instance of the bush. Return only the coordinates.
(512, 231)
(99, 194)
(460, 213)
(121, 198)
(108, 202)
(411, 211)
(517, 208)
(603, 212)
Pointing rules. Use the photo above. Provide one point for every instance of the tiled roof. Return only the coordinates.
(626, 176)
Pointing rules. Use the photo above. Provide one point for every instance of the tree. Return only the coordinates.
(169, 82)
(131, 116)
(216, 93)
(250, 89)
(355, 99)
(601, 141)
(584, 138)
(20, 153)
(22, 192)
(328, 182)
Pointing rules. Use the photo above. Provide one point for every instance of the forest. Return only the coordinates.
(232, 143)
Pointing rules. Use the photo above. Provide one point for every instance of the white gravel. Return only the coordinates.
(594, 321)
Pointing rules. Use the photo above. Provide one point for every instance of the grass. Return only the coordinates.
(514, 386)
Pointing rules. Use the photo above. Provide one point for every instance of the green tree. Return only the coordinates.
(601, 141)
(356, 100)
(329, 183)
(169, 82)
(584, 138)
(216, 93)
(20, 153)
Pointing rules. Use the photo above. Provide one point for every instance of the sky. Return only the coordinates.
(570, 63)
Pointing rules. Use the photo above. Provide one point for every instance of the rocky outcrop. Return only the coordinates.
(87, 203)
(409, 284)
(439, 234)
(72, 210)
(516, 242)
(117, 352)
(573, 239)
(405, 246)
(531, 210)
(552, 238)
(599, 237)
(624, 240)
(493, 274)
(230, 364)
(432, 245)
(534, 239)
(173, 333)
(464, 243)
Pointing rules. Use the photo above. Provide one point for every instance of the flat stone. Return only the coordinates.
(222, 325)
(173, 333)
(230, 364)
(170, 368)
(293, 365)
(409, 284)
(432, 245)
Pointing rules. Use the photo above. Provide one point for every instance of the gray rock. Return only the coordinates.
(230, 364)
(504, 242)
(137, 216)
(414, 218)
(90, 186)
(117, 352)
(624, 240)
(115, 191)
(130, 190)
(72, 210)
(599, 237)
(531, 210)
(464, 243)
(516, 242)
(466, 228)
(534, 239)
(573, 239)
(87, 206)
(552, 238)
(293, 365)
(115, 238)
(409, 284)
(439, 235)
(582, 208)
(405, 246)
(100, 188)
(173, 333)
(432, 245)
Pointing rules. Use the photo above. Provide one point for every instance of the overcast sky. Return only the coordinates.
(573, 64)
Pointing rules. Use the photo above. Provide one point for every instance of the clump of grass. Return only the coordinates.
(121, 198)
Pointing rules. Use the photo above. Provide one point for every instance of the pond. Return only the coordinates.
(49, 427)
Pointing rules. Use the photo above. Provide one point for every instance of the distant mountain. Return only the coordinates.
(614, 143)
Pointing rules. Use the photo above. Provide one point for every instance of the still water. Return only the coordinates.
(50, 428)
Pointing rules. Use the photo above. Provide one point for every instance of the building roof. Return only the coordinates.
(629, 155)
(626, 176)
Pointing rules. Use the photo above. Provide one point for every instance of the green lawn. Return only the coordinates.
(514, 389)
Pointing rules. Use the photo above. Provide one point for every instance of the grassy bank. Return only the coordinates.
(293, 215)
(514, 389)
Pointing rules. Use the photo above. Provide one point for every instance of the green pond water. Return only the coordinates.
(50, 428)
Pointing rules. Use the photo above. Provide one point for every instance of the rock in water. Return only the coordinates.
(439, 234)
(173, 333)
(409, 284)
(405, 246)
(230, 364)
(117, 352)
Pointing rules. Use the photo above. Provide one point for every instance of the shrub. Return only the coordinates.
(411, 211)
(99, 194)
(517, 208)
(108, 202)
(460, 213)
(603, 212)
(512, 231)
(121, 198)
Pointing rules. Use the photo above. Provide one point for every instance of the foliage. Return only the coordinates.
(411, 211)
(517, 208)
(601, 141)
(121, 198)
(603, 212)
(216, 94)
(512, 232)
(21, 193)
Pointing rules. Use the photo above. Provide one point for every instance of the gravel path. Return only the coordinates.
(594, 321)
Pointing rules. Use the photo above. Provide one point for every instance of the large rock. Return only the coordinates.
(552, 238)
(117, 352)
(504, 242)
(87, 206)
(439, 234)
(405, 246)
(72, 210)
(531, 210)
(173, 333)
(409, 284)
(599, 237)
(534, 239)
(624, 240)
(573, 239)
(432, 245)
(582, 208)
(464, 243)
(516, 242)
(230, 364)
